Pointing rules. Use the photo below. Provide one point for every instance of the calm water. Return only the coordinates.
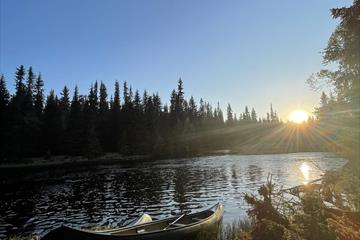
(112, 195)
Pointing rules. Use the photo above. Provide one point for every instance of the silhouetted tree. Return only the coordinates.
(30, 88)
(192, 110)
(229, 114)
(4, 118)
(116, 126)
(75, 131)
(64, 105)
(39, 96)
(4, 96)
(51, 125)
(103, 104)
(253, 115)
(246, 114)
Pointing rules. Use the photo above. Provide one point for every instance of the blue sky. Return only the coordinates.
(242, 52)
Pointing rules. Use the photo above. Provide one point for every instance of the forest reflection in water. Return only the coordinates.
(113, 195)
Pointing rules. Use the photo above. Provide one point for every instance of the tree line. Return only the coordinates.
(33, 124)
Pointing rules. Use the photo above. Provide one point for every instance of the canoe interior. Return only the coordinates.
(161, 225)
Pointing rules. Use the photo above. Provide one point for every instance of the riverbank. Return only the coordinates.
(72, 161)
(40, 163)
(63, 161)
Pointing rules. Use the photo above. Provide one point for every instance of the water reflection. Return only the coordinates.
(305, 170)
(112, 195)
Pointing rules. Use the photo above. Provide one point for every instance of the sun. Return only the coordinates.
(298, 116)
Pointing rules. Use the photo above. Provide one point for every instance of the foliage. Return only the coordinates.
(279, 217)
(237, 230)
(339, 113)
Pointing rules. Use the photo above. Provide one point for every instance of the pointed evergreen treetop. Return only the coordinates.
(4, 93)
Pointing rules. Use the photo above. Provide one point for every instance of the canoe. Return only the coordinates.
(186, 227)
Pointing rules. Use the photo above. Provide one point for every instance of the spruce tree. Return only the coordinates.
(116, 126)
(19, 82)
(4, 118)
(64, 105)
(179, 105)
(75, 130)
(253, 115)
(137, 102)
(272, 114)
(30, 88)
(126, 96)
(103, 104)
(4, 95)
(116, 100)
(246, 114)
(51, 125)
(39, 96)
(192, 110)
(229, 114)
(103, 120)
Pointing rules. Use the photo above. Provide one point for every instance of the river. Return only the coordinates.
(112, 195)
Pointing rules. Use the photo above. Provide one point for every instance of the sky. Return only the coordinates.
(240, 52)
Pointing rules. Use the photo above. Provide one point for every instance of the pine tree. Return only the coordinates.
(220, 114)
(4, 95)
(246, 114)
(39, 96)
(96, 97)
(92, 145)
(75, 131)
(253, 115)
(30, 86)
(4, 118)
(19, 82)
(64, 106)
(173, 99)
(137, 102)
(103, 120)
(202, 109)
(192, 109)
(173, 109)
(103, 104)
(179, 101)
(272, 115)
(65, 100)
(116, 126)
(116, 104)
(126, 96)
(92, 99)
(229, 114)
(51, 126)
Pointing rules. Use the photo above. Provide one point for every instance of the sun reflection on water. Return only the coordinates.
(305, 170)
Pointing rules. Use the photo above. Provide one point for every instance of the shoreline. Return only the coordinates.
(41, 163)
